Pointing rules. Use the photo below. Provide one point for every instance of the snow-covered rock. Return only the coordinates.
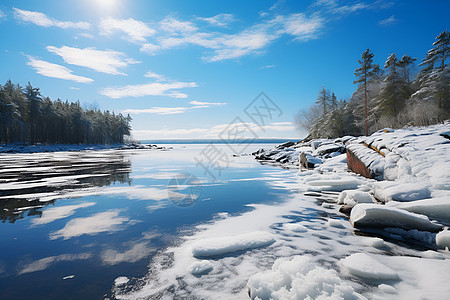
(443, 239)
(381, 216)
(353, 197)
(434, 208)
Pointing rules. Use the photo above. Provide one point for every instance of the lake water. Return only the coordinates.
(72, 222)
(138, 224)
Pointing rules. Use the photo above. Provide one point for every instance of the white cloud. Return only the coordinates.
(2, 16)
(41, 19)
(108, 221)
(172, 25)
(149, 89)
(199, 103)
(136, 31)
(267, 67)
(150, 48)
(301, 27)
(219, 20)
(55, 71)
(136, 252)
(55, 213)
(105, 61)
(389, 21)
(156, 76)
(158, 110)
(44, 263)
(348, 9)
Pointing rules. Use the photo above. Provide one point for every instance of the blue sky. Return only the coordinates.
(186, 69)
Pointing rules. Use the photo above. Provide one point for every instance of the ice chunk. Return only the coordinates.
(200, 267)
(296, 227)
(353, 197)
(69, 277)
(387, 288)
(435, 208)
(432, 254)
(376, 243)
(229, 244)
(443, 239)
(333, 184)
(381, 216)
(362, 265)
(386, 191)
(335, 223)
(298, 278)
(121, 280)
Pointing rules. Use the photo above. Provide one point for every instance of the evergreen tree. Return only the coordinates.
(363, 74)
(434, 78)
(323, 100)
(392, 96)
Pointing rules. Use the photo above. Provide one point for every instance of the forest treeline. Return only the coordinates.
(398, 95)
(28, 117)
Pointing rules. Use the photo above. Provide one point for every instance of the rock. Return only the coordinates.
(307, 161)
(285, 145)
(346, 209)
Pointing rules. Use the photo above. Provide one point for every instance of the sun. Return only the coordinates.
(106, 5)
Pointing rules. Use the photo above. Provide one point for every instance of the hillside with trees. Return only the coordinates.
(390, 97)
(28, 117)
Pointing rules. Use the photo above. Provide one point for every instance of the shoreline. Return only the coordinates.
(40, 148)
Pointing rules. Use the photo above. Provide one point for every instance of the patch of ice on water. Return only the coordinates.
(121, 280)
(299, 278)
(229, 244)
(387, 288)
(375, 243)
(200, 267)
(69, 277)
(363, 265)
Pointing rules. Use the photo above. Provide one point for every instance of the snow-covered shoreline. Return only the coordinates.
(38, 148)
(410, 170)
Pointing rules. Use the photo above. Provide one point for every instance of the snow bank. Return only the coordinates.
(229, 244)
(200, 267)
(380, 216)
(410, 190)
(299, 278)
(362, 265)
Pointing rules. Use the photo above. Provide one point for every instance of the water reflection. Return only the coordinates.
(31, 181)
(46, 262)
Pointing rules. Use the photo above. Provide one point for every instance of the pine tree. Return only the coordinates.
(323, 100)
(364, 73)
(434, 78)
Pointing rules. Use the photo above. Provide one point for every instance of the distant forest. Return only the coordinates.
(396, 96)
(28, 117)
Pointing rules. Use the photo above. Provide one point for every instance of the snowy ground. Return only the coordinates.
(305, 248)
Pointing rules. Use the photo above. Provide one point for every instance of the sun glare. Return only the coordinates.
(106, 5)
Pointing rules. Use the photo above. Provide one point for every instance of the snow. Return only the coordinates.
(200, 267)
(363, 265)
(443, 239)
(230, 244)
(435, 208)
(299, 278)
(353, 197)
(335, 223)
(295, 227)
(374, 215)
(121, 280)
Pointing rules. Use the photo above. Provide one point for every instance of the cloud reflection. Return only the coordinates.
(108, 221)
(44, 263)
(136, 252)
(56, 213)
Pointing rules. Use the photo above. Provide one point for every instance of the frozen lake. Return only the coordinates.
(127, 224)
